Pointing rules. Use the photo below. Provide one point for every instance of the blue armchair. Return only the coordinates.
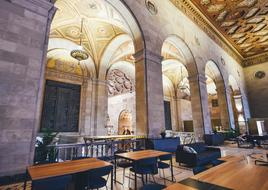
(163, 144)
(204, 155)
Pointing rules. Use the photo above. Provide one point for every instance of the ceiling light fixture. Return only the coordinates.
(80, 54)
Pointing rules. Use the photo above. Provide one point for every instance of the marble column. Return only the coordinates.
(229, 98)
(24, 35)
(100, 107)
(222, 100)
(200, 109)
(149, 94)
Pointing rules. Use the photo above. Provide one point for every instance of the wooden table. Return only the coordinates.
(236, 173)
(178, 186)
(139, 155)
(66, 168)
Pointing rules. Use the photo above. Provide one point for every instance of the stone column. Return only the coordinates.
(24, 31)
(149, 94)
(100, 106)
(221, 93)
(200, 109)
(229, 98)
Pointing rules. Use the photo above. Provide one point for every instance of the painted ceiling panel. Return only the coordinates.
(244, 23)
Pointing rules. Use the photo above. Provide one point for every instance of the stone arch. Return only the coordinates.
(189, 61)
(124, 121)
(219, 114)
(237, 104)
(109, 51)
(132, 21)
(232, 82)
(213, 71)
(67, 45)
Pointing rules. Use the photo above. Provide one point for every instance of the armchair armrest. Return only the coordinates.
(186, 157)
(213, 149)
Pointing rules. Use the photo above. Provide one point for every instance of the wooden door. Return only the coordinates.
(167, 115)
(61, 107)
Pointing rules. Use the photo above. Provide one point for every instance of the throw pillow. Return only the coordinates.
(189, 149)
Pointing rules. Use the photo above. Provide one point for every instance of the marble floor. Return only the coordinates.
(180, 172)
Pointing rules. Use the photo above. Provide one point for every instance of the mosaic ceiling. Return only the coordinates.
(244, 23)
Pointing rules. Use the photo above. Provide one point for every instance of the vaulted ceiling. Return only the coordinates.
(242, 25)
(102, 26)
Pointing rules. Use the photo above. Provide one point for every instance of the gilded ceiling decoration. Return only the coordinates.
(240, 27)
(101, 24)
(242, 22)
(119, 83)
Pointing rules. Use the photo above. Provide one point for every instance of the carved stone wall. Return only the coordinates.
(119, 83)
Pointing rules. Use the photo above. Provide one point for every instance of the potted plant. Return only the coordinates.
(163, 133)
(43, 153)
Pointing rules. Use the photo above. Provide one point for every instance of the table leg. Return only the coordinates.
(171, 165)
(112, 183)
(135, 166)
(25, 180)
(115, 168)
(135, 180)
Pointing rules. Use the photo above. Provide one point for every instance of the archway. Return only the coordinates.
(237, 105)
(125, 123)
(108, 33)
(178, 66)
(217, 101)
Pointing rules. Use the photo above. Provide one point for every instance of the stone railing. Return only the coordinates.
(185, 137)
(100, 149)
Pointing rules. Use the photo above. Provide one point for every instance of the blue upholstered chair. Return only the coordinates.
(96, 178)
(53, 183)
(163, 165)
(145, 167)
(154, 186)
(199, 169)
(217, 162)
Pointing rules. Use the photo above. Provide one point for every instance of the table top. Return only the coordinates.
(236, 173)
(179, 186)
(64, 168)
(142, 154)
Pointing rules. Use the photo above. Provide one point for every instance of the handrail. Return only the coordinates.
(99, 149)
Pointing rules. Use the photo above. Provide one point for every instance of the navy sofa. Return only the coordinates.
(205, 155)
(163, 144)
(214, 139)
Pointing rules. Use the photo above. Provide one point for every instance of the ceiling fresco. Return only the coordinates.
(243, 22)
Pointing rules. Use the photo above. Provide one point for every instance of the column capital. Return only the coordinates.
(99, 82)
(148, 55)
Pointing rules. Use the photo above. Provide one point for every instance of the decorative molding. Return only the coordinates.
(256, 60)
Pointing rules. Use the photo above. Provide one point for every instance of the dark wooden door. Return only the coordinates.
(167, 115)
(61, 107)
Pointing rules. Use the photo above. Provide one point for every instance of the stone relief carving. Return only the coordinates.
(119, 83)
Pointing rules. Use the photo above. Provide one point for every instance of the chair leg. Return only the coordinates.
(129, 185)
(142, 179)
(153, 178)
(164, 177)
(124, 175)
